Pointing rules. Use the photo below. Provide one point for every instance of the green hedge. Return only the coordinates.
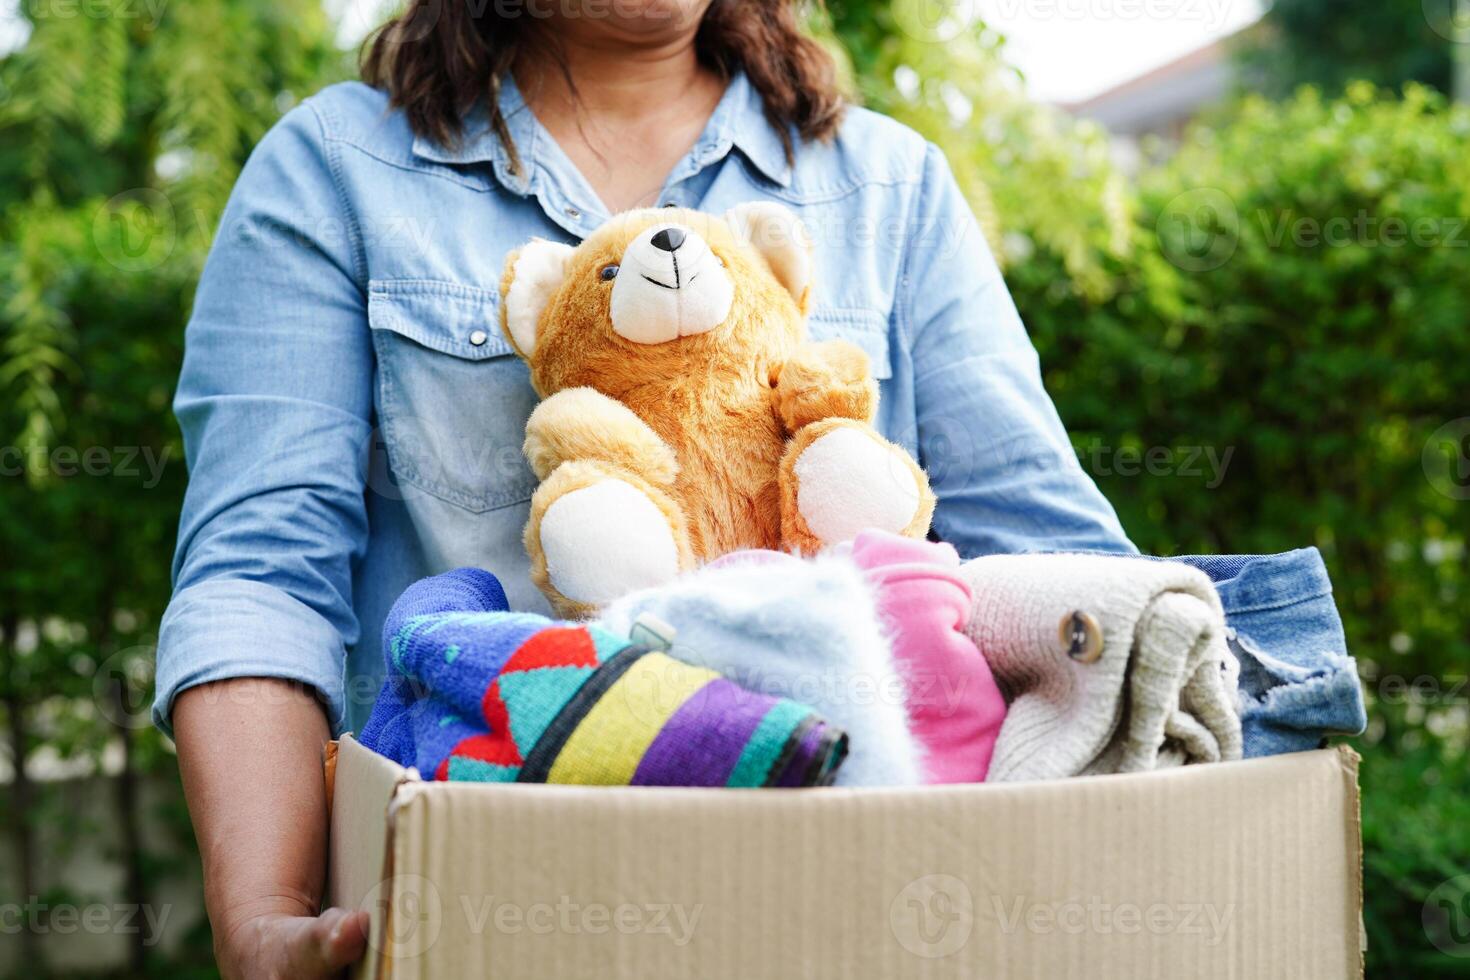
(1296, 308)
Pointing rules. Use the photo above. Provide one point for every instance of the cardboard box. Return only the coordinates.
(1241, 870)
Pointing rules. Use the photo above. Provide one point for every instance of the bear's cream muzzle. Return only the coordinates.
(669, 285)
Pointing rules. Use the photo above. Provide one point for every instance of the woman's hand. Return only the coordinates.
(278, 945)
(250, 751)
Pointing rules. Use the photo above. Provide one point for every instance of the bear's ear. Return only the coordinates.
(778, 234)
(532, 274)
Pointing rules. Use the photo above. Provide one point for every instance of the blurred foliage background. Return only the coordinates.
(1290, 285)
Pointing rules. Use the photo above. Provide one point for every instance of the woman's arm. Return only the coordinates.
(274, 402)
(250, 751)
(997, 456)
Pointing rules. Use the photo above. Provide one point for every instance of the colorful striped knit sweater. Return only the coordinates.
(475, 692)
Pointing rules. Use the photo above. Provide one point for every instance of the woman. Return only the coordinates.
(353, 419)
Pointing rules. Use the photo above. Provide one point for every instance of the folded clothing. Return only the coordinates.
(955, 707)
(1110, 664)
(806, 629)
(475, 692)
(1297, 681)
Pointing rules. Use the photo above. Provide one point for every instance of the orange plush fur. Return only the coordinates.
(724, 405)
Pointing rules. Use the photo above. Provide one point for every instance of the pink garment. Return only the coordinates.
(955, 707)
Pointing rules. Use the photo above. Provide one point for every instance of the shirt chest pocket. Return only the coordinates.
(452, 396)
(864, 328)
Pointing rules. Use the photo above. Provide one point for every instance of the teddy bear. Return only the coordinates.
(684, 413)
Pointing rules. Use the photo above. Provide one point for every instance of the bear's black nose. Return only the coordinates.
(668, 239)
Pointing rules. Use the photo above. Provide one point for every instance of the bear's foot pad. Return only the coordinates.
(850, 481)
(605, 540)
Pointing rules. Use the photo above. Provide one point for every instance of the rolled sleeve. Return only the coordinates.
(228, 628)
(275, 405)
(999, 459)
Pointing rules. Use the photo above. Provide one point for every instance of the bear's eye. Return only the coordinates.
(609, 272)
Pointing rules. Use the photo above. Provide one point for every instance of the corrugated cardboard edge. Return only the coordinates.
(1350, 761)
(410, 839)
(363, 790)
(329, 764)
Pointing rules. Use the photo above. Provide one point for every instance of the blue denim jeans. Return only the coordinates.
(1297, 683)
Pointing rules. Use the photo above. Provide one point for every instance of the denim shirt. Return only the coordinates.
(353, 418)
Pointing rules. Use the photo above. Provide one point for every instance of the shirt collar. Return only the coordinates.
(752, 134)
(738, 121)
(480, 144)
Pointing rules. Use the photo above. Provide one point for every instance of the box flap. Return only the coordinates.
(1236, 870)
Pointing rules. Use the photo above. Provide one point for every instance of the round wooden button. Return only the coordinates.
(1081, 636)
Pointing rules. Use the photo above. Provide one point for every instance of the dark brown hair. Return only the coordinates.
(439, 58)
